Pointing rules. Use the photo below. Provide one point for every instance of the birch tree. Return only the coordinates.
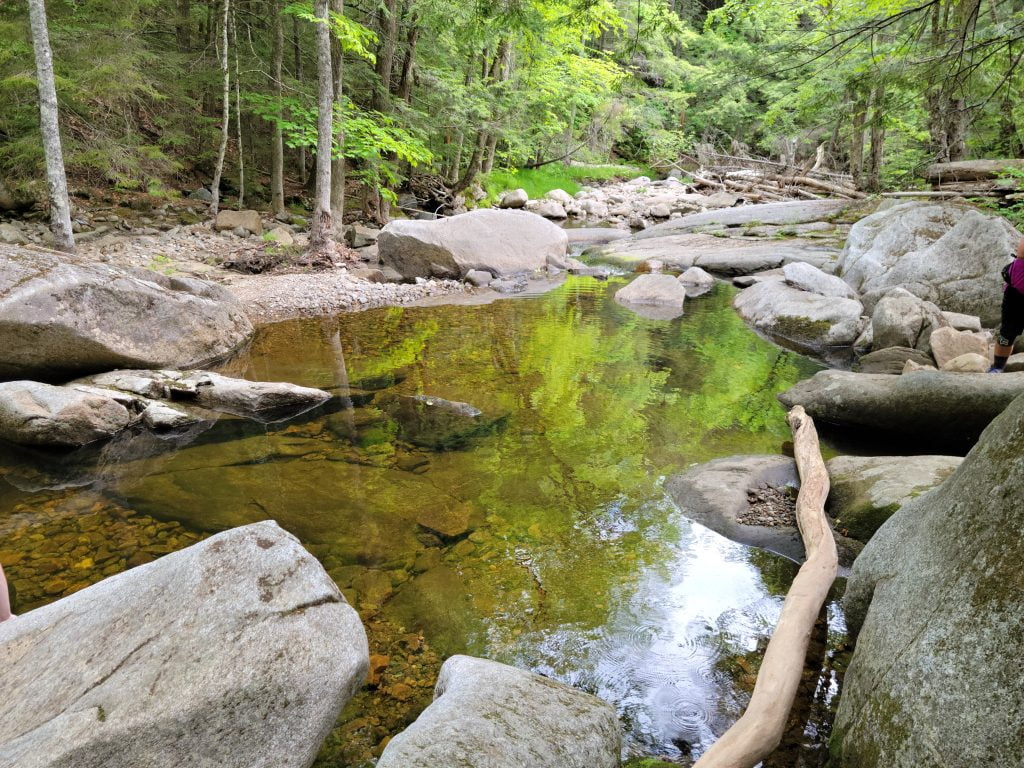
(56, 181)
(320, 245)
(225, 112)
(277, 146)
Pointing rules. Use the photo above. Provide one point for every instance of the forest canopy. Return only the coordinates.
(456, 90)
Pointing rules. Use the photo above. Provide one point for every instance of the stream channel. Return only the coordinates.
(542, 538)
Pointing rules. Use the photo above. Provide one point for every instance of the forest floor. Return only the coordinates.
(176, 238)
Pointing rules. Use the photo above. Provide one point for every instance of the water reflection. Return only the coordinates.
(537, 533)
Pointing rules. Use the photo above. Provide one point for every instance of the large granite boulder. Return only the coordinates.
(38, 414)
(901, 319)
(62, 316)
(933, 406)
(502, 242)
(946, 253)
(806, 320)
(867, 490)
(935, 603)
(490, 715)
(236, 652)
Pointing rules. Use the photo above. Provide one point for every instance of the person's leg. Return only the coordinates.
(1011, 327)
(5, 598)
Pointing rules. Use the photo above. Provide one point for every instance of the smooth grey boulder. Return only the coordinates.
(809, 321)
(490, 715)
(934, 406)
(935, 604)
(63, 316)
(809, 278)
(867, 490)
(947, 253)
(656, 289)
(697, 277)
(901, 319)
(514, 198)
(502, 242)
(891, 360)
(238, 652)
(38, 414)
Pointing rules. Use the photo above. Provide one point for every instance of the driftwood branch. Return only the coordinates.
(759, 731)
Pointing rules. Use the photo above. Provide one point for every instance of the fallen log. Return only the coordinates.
(970, 170)
(941, 194)
(824, 186)
(758, 732)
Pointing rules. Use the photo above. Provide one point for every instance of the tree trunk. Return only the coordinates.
(874, 180)
(277, 145)
(490, 152)
(183, 26)
(298, 76)
(405, 82)
(321, 226)
(338, 163)
(857, 141)
(225, 112)
(49, 123)
(387, 24)
(238, 116)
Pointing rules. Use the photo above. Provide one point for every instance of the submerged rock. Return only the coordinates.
(490, 715)
(40, 414)
(435, 423)
(62, 316)
(238, 651)
(653, 289)
(934, 405)
(868, 490)
(502, 242)
(935, 603)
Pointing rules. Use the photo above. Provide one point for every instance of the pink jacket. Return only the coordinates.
(1017, 275)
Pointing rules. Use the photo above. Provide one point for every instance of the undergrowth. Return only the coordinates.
(539, 181)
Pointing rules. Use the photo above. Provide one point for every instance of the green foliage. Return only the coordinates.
(539, 181)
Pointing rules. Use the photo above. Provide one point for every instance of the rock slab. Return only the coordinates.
(928, 405)
(238, 652)
(490, 715)
(935, 602)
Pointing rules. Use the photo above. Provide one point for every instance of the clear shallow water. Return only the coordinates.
(544, 540)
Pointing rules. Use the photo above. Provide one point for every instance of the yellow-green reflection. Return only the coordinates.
(561, 551)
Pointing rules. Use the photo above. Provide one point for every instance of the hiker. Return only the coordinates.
(5, 598)
(1012, 324)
